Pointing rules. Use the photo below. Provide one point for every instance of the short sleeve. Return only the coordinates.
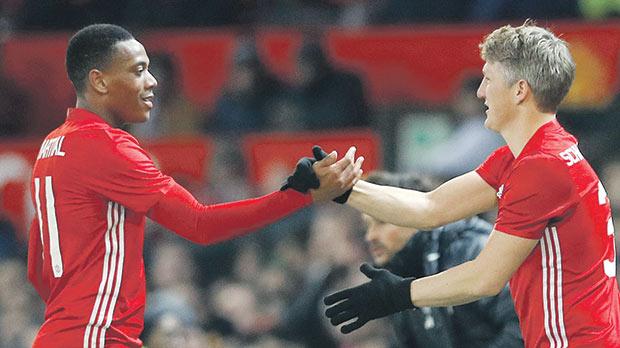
(122, 171)
(492, 168)
(538, 191)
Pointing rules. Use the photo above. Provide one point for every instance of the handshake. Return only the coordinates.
(385, 293)
(327, 177)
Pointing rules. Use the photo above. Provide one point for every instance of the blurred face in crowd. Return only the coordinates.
(243, 79)
(385, 240)
(497, 95)
(128, 83)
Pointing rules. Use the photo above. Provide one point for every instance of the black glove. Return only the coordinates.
(303, 178)
(319, 154)
(384, 294)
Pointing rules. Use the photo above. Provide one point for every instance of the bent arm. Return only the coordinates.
(484, 276)
(179, 211)
(461, 197)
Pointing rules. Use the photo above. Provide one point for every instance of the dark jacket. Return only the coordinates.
(489, 322)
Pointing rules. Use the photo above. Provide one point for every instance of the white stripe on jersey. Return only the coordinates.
(552, 289)
(111, 218)
(37, 188)
(52, 228)
(543, 247)
(110, 280)
(119, 274)
(558, 253)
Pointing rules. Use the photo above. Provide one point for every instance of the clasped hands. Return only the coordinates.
(325, 176)
(385, 293)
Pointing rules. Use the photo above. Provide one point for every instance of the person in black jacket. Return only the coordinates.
(489, 322)
(329, 97)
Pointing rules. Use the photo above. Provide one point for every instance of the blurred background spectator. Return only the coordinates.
(14, 102)
(465, 145)
(250, 95)
(329, 98)
(230, 69)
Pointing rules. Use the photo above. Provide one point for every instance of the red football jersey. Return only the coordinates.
(565, 292)
(92, 185)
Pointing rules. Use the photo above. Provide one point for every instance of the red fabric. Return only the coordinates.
(497, 162)
(92, 187)
(179, 211)
(102, 184)
(563, 292)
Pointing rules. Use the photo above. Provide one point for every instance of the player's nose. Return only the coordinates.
(480, 92)
(151, 81)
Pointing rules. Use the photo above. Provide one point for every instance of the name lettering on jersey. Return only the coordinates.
(572, 155)
(51, 147)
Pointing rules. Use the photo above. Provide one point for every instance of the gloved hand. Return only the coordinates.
(384, 294)
(319, 154)
(303, 178)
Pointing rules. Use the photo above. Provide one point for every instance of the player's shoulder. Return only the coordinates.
(543, 172)
(541, 163)
(101, 136)
(557, 153)
(501, 154)
(501, 151)
(502, 157)
(99, 143)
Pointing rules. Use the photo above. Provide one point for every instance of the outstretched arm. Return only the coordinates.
(461, 197)
(383, 295)
(484, 276)
(179, 211)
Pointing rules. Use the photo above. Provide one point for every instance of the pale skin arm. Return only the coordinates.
(461, 197)
(484, 276)
(336, 176)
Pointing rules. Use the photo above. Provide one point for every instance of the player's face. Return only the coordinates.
(130, 84)
(385, 240)
(496, 93)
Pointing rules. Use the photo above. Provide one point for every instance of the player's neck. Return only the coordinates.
(522, 128)
(82, 103)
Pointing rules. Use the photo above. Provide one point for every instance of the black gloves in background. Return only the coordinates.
(384, 294)
(304, 178)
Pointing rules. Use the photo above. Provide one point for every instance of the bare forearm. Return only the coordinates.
(397, 206)
(455, 286)
(456, 199)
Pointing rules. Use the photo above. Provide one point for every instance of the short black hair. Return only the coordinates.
(91, 48)
(411, 181)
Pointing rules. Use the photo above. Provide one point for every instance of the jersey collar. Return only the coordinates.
(83, 115)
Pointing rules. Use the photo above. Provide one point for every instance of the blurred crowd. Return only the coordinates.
(72, 14)
(265, 290)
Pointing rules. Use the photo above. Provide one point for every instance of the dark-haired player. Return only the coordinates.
(93, 185)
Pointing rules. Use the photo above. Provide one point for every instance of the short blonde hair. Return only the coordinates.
(533, 54)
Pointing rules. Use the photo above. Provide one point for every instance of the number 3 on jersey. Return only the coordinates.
(608, 265)
(47, 197)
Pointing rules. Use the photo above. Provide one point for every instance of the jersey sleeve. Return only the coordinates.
(120, 170)
(179, 211)
(493, 167)
(538, 191)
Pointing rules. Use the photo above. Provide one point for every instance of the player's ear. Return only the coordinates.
(521, 91)
(97, 81)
